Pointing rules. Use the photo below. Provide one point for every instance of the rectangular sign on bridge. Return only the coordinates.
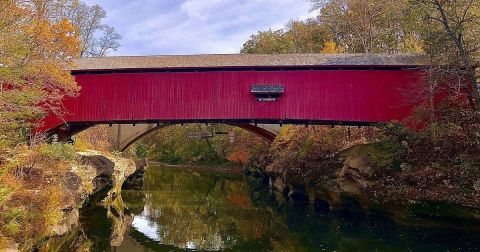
(267, 93)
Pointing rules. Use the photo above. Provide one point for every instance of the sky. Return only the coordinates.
(169, 27)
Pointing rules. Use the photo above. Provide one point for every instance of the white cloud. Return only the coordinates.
(196, 26)
(200, 8)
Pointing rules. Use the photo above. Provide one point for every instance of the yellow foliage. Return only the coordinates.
(94, 138)
(330, 47)
(81, 144)
(286, 133)
(35, 48)
(412, 45)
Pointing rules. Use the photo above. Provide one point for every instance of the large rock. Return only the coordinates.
(109, 169)
(96, 171)
(351, 178)
(356, 172)
(135, 181)
(104, 168)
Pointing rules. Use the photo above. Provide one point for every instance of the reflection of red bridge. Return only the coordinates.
(239, 89)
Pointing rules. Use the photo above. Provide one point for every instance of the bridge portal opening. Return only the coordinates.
(203, 144)
(181, 143)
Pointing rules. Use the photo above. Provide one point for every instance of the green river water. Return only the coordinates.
(215, 209)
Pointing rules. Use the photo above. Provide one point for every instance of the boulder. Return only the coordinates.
(95, 172)
(355, 173)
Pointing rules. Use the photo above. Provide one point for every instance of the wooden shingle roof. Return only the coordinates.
(247, 60)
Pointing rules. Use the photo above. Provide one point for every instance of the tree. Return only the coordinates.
(33, 53)
(298, 37)
(266, 42)
(353, 26)
(330, 47)
(98, 39)
(451, 31)
(370, 26)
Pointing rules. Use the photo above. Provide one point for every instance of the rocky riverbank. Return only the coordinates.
(94, 173)
(358, 179)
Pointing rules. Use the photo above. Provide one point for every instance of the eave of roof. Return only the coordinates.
(247, 60)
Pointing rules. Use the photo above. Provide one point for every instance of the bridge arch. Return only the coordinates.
(124, 135)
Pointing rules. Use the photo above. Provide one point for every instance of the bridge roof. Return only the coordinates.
(248, 60)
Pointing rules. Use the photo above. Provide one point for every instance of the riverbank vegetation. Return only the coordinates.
(212, 144)
(38, 39)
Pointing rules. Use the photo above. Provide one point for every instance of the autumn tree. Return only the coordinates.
(297, 37)
(266, 42)
(370, 26)
(34, 50)
(346, 26)
(451, 33)
(38, 38)
(97, 38)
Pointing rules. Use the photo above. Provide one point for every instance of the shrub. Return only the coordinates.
(31, 192)
(445, 142)
(57, 151)
(4, 192)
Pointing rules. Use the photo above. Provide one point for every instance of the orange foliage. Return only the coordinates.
(240, 200)
(239, 157)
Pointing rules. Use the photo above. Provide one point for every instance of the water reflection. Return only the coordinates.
(120, 216)
(198, 210)
(182, 209)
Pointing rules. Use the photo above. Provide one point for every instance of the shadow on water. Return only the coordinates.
(185, 209)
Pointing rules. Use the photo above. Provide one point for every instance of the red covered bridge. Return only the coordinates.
(347, 89)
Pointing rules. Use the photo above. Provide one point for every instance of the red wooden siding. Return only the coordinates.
(346, 96)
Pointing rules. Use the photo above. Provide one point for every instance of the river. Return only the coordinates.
(215, 209)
